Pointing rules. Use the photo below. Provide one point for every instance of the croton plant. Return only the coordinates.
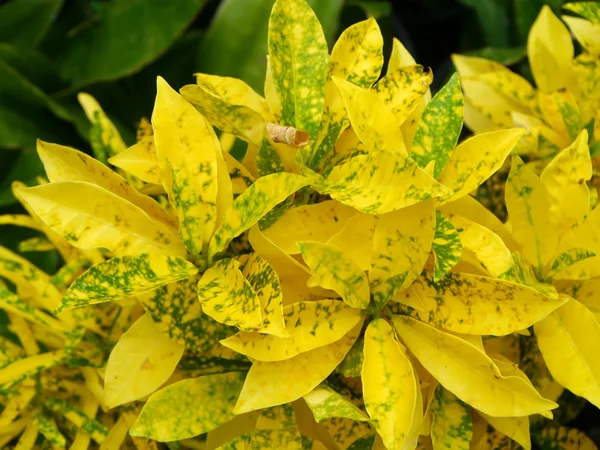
(338, 288)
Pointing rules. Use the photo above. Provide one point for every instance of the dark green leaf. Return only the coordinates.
(25, 22)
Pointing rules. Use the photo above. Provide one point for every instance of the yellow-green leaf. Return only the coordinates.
(141, 361)
(12, 303)
(446, 246)
(35, 244)
(372, 121)
(49, 430)
(317, 222)
(476, 159)
(401, 245)
(589, 10)
(298, 56)
(19, 369)
(567, 339)
(104, 136)
(265, 283)
(125, 276)
(468, 372)
(309, 324)
(276, 429)
(324, 402)
(88, 217)
(279, 382)
(380, 182)
(563, 438)
(473, 304)
(332, 269)
(451, 422)
(567, 258)
(253, 204)
(550, 51)
(439, 127)
(79, 418)
(228, 297)
(389, 384)
(66, 164)
(187, 151)
(139, 160)
(528, 204)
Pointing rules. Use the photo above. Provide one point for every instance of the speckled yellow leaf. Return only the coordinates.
(18, 369)
(486, 245)
(125, 276)
(317, 222)
(187, 150)
(271, 93)
(325, 402)
(173, 413)
(298, 57)
(401, 246)
(476, 159)
(402, 90)
(310, 325)
(279, 382)
(139, 160)
(590, 10)
(35, 244)
(567, 339)
(371, 119)
(104, 136)
(276, 429)
(49, 429)
(563, 438)
(66, 164)
(357, 57)
(451, 423)
(241, 179)
(356, 238)
(528, 204)
(565, 179)
(389, 384)
(230, 105)
(586, 32)
(253, 204)
(516, 428)
(88, 217)
(332, 269)
(468, 372)
(380, 182)
(439, 128)
(228, 297)
(472, 304)
(141, 361)
(265, 283)
(12, 303)
(559, 109)
(550, 51)
(446, 247)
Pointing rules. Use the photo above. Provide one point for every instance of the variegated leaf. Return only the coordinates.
(446, 246)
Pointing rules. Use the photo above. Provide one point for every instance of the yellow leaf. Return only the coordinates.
(141, 361)
(19, 369)
(49, 430)
(550, 51)
(565, 179)
(241, 179)
(324, 402)
(446, 247)
(12, 303)
(472, 304)
(276, 383)
(401, 246)
(15, 404)
(400, 57)
(468, 372)
(187, 151)
(125, 276)
(310, 325)
(317, 222)
(139, 160)
(563, 438)
(252, 205)
(88, 217)
(356, 239)
(372, 121)
(476, 159)
(270, 92)
(28, 438)
(116, 436)
(332, 269)
(389, 384)
(567, 339)
(451, 423)
(560, 111)
(586, 32)
(516, 428)
(486, 245)
(228, 297)
(380, 182)
(276, 429)
(66, 164)
(528, 205)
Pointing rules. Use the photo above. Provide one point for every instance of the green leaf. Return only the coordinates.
(189, 407)
(267, 159)
(125, 276)
(493, 20)
(446, 247)
(126, 36)
(589, 10)
(439, 127)
(25, 22)
(298, 56)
